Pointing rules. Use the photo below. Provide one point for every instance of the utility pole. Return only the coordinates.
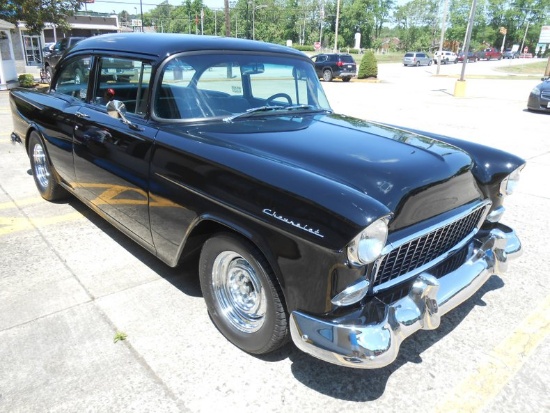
(442, 39)
(336, 29)
(227, 21)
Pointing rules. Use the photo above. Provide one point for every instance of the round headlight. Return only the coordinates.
(367, 246)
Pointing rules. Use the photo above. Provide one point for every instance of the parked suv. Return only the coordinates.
(335, 65)
(416, 59)
(446, 57)
(56, 52)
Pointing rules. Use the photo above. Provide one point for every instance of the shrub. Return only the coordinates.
(304, 48)
(26, 80)
(368, 67)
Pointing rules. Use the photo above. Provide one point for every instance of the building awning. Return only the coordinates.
(4, 25)
(93, 26)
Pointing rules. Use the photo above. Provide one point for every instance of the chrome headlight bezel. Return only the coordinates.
(509, 184)
(367, 246)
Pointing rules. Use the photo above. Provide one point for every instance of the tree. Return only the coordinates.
(417, 22)
(35, 13)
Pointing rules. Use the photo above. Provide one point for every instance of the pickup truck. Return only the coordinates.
(51, 59)
(489, 53)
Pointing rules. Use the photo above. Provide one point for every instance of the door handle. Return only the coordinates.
(82, 115)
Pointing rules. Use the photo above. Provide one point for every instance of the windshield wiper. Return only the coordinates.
(252, 111)
(261, 109)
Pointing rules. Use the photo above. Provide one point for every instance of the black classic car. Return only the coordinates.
(345, 235)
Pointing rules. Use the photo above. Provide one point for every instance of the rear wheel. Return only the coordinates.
(327, 75)
(346, 79)
(242, 295)
(43, 173)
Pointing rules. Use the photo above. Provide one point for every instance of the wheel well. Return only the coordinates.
(207, 228)
(28, 136)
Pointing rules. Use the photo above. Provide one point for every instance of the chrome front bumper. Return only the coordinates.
(374, 345)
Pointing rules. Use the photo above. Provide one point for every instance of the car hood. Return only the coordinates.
(347, 166)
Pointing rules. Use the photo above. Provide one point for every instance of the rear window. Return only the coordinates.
(409, 54)
(347, 59)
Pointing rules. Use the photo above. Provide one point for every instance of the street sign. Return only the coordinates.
(544, 34)
(317, 45)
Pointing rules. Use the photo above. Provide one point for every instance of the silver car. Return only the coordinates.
(416, 59)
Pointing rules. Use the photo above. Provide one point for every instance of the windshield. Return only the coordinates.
(201, 86)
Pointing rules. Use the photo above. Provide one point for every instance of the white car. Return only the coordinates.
(446, 57)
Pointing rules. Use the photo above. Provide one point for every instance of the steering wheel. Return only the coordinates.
(270, 99)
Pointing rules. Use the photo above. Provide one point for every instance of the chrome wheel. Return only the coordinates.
(43, 172)
(239, 292)
(242, 294)
(40, 166)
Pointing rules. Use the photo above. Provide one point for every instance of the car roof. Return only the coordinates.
(161, 45)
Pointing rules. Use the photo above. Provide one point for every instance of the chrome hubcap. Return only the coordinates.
(238, 290)
(41, 169)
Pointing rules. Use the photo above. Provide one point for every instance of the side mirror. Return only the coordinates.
(116, 109)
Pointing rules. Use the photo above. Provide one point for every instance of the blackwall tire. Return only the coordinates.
(327, 75)
(242, 295)
(44, 174)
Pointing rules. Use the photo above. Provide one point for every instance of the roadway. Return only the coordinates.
(70, 282)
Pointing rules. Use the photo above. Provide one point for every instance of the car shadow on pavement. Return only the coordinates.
(361, 385)
(184, 277)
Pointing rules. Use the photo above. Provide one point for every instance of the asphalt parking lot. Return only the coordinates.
(70, 282)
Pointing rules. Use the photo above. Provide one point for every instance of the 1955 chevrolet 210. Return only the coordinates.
(345, 235)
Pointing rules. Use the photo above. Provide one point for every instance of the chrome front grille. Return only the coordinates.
(426, 249)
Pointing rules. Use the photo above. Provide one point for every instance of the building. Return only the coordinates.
(28, 49)
(8, 72)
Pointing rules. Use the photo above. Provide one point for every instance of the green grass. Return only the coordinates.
(530, 67)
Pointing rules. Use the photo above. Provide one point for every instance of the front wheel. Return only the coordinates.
(43, 173)
(241, 293)
(327, 75)
(49, 74)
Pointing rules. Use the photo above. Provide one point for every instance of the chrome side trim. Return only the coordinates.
(370, 344)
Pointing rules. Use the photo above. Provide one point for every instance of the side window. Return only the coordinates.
(74, 77)
(57, 46)
(126, 80)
